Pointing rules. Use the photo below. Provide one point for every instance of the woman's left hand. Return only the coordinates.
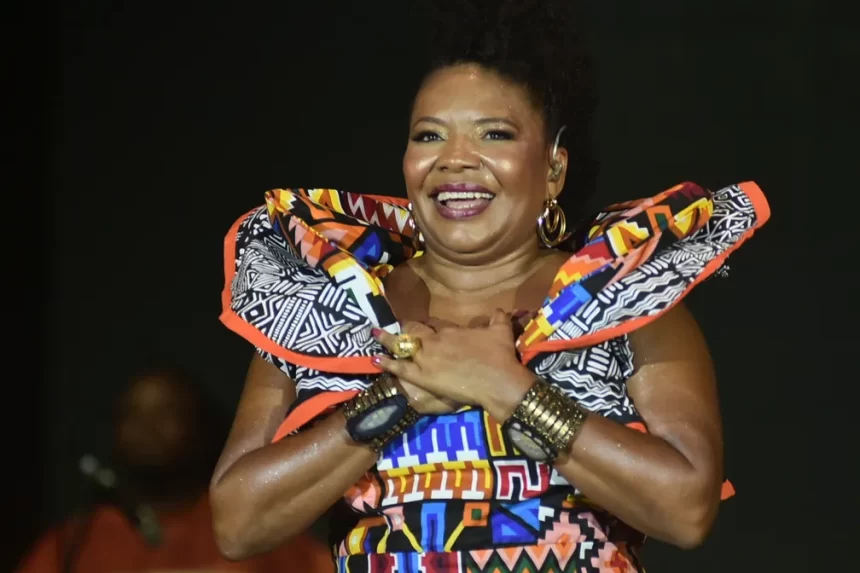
(470, 365)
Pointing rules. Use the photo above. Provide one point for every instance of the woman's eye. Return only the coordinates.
(426, 136)
(498, 134)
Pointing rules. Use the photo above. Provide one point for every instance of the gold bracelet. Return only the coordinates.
(553, 416)
(381, 388)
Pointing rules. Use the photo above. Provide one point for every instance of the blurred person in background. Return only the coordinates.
(151, 511)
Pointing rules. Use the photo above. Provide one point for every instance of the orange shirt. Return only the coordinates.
(112, 545)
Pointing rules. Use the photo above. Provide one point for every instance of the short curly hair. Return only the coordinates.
(533, 43)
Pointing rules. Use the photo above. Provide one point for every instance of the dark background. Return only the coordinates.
(155, 125)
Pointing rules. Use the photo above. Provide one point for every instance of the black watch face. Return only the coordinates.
(380, 419)
(527, 445)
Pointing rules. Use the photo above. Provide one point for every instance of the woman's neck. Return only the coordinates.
(448, 277)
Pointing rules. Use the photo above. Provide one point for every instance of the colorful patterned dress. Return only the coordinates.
(304, 286)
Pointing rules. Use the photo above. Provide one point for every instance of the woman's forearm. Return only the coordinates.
(643, 480)
(277, 491)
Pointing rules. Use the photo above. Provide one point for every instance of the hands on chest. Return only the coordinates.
(461, 365)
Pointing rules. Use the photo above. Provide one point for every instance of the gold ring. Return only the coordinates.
(406, 346)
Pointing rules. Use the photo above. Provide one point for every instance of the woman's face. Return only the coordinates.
(477, 166)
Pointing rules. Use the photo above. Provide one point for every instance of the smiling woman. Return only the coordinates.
(475, 131)
(486, 387)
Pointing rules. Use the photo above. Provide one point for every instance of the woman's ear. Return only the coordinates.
(557, 172)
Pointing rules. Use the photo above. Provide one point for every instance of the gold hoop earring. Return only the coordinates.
(552, 224)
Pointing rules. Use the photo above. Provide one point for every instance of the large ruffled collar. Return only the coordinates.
(639, 259)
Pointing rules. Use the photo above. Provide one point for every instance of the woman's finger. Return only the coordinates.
(402, 369)
(385, 338)
(390, 341)
(419, 329)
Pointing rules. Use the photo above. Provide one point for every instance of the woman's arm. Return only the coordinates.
(263, 493)
(665, 483)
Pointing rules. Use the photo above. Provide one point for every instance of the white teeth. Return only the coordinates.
(460, 195)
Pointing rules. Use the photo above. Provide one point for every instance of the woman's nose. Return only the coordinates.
(458, 154)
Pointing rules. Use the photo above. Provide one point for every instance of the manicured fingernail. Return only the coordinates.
(375, 332)
(376, 360)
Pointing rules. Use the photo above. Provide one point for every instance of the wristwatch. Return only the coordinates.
(379, 413)
(529, 442)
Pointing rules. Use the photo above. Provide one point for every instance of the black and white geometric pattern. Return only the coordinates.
(594, 376)
(295, 305)
(309, 381)
(658, 283)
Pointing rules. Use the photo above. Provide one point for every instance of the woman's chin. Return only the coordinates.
(465, 242)
(470, 235)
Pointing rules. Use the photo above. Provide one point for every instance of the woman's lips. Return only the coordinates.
(462, 208)
(461, 200)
